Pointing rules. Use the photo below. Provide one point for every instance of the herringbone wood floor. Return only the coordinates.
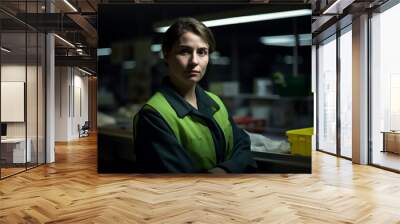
(71, 191)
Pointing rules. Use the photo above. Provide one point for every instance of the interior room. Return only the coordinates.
(333, 52)
(385, 108)
(22, 99)
(25, 101)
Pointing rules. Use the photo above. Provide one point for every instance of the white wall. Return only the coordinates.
(71, 94)
(62, 81)
(13, 101)
(33, 126)
(81, 89)
(12, 73)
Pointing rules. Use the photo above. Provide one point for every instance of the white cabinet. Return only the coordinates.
(17, 146)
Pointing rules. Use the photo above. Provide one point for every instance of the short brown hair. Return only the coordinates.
(183, 25)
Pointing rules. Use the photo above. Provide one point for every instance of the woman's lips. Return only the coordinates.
(193, 73)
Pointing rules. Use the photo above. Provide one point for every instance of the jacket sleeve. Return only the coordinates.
(156, 147)
(242, 160)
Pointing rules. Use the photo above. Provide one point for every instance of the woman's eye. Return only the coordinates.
(184, 51)
(199, 52)
(202, 52)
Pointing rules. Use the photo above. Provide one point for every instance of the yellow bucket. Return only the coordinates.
(300, 141)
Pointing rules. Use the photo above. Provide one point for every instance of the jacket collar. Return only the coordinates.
(182, 108)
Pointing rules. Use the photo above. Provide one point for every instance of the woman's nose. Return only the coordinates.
(194, 59)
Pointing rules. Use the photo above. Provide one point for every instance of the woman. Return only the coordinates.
(182, 128)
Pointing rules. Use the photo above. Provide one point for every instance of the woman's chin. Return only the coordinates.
(189, 80)
(193, 79)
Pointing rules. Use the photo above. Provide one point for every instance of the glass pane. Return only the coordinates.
(346, 94)
(13, 87)
(327, 96)
(32, 85)
(31, 101)
(385, 89)
(41, 99)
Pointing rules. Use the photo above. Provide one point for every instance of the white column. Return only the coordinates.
(50, 100)
(50, 92)
(360, 90)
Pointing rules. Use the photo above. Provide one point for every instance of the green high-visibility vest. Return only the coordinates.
(192, 132)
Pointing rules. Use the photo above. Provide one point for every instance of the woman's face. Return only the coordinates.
(187, 60)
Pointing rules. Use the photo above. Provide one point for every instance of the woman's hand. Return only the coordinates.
(217, 170)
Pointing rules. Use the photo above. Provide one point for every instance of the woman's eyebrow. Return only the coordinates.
(184, 46)
(188, 46)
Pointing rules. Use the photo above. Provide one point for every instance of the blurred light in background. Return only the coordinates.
(251, 18)
(216, 59)
(287, 40)
(129, 65)
(155, 48)
(288, 59)
(103, 51)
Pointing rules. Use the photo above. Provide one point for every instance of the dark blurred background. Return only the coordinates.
(261, 70)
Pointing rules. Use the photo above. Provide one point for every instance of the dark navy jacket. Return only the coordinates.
(158, 151)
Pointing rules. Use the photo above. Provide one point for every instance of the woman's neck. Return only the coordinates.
(187, 92)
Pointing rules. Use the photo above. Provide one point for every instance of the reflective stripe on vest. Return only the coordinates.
(192, 132)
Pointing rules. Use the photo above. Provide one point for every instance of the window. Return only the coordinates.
(385, 88)
(327, 95)
(346, 92)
